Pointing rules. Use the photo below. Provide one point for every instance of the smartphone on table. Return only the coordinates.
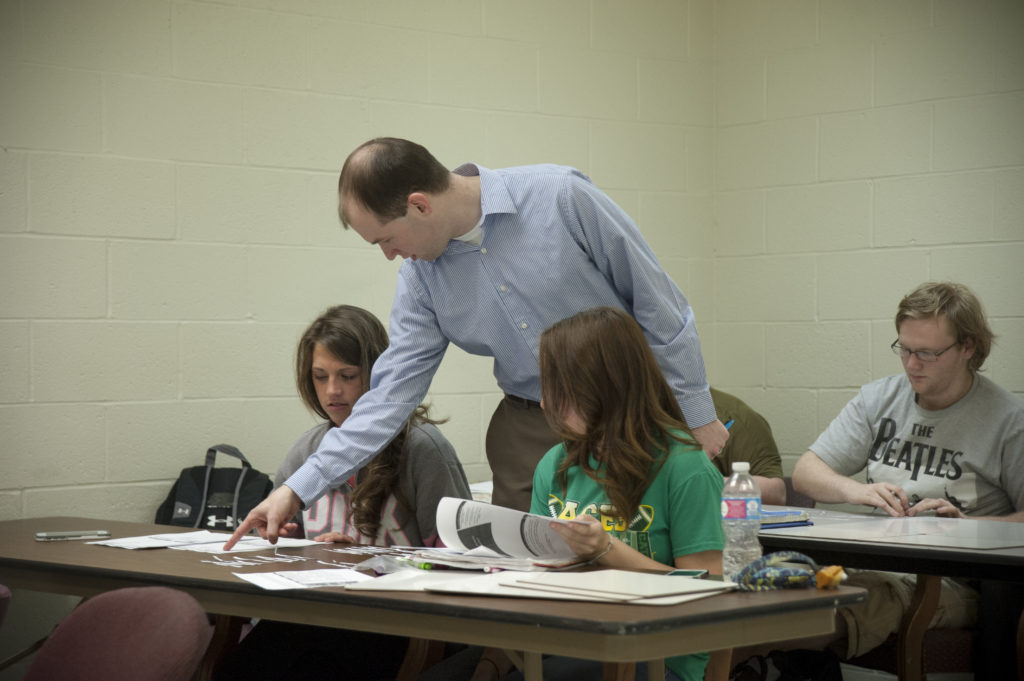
(67, 535)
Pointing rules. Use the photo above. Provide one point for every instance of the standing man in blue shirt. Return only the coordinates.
(492, 258)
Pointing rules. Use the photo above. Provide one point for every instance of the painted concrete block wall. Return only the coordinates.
(168, 219)
(168, 171)
(167, 208)
(861, 149)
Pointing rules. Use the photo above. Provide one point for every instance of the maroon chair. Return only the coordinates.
(946, 651)
(136, 634)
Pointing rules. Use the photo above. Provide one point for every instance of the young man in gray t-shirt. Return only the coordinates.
(939, 438)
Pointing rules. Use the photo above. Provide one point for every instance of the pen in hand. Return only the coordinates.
(728, 424)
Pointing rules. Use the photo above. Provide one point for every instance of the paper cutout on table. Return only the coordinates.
(303, 579)
(249, 561)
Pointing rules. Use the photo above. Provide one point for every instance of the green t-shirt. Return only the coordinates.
(679, 514)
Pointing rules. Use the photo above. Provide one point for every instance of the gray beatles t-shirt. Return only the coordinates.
(971, 453)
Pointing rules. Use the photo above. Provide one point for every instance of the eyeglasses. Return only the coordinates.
(923, 355)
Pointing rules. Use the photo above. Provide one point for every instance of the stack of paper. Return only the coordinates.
(616, 586)
(483, 558)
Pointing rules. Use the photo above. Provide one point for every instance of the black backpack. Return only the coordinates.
(214, 498)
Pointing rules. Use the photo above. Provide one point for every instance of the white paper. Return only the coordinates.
(408, 580)
(244, 544)
(497, 584)
(203, 541)
(618, 584)
(155, 541)
(302, 579)
(466, 525)
(479, 558)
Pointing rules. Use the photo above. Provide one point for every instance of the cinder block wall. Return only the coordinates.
(168, 220)
(861, 149)
(167, 209)
(167, 203)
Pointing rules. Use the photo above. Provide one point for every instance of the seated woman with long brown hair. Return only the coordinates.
(391, 501)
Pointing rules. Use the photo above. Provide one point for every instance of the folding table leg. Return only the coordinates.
(620, 671)
(910, 662)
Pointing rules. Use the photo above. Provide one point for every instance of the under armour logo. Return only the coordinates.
(213, 521)
(181, 510)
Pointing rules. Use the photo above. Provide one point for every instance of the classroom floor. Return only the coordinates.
(854, 673)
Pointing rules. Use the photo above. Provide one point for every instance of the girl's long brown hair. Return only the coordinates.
(355, 336)
(599, 365)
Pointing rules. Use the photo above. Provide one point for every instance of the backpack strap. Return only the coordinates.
(230, 450)
(211, 456)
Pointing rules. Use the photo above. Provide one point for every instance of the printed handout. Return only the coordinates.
(203, 541)
(480, 535)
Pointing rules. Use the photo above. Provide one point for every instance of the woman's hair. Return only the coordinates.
(599, 365)
(355, 336)
(959, 306)
(380, 175)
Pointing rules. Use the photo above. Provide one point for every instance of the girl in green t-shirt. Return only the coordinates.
(646, 494)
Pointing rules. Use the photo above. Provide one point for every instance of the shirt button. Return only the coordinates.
(523, 325)
(502, 289)
(483, 250)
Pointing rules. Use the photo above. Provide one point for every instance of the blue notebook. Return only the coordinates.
(786, 517)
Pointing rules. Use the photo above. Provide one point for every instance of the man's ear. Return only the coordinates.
(967, 348)
(420, 202)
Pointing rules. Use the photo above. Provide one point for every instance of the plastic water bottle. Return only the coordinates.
(741, 520)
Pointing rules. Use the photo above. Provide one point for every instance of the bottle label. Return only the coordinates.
(741, 509)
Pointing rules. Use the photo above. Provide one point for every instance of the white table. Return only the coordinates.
(931, 548)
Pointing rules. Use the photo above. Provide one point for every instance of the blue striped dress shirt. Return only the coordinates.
(553, 245)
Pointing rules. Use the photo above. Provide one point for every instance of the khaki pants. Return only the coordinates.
(889, 596)
(517, 438)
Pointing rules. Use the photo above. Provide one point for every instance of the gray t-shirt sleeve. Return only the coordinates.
(1013, 469)
(845, 444)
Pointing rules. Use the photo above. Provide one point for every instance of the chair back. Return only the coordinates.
(5, 600)
(794, 498)
(141, 634)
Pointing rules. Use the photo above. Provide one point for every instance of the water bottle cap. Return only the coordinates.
(740, 466)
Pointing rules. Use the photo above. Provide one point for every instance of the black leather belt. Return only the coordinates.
(522, 401)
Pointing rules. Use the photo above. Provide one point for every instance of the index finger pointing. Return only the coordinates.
(242, 530)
